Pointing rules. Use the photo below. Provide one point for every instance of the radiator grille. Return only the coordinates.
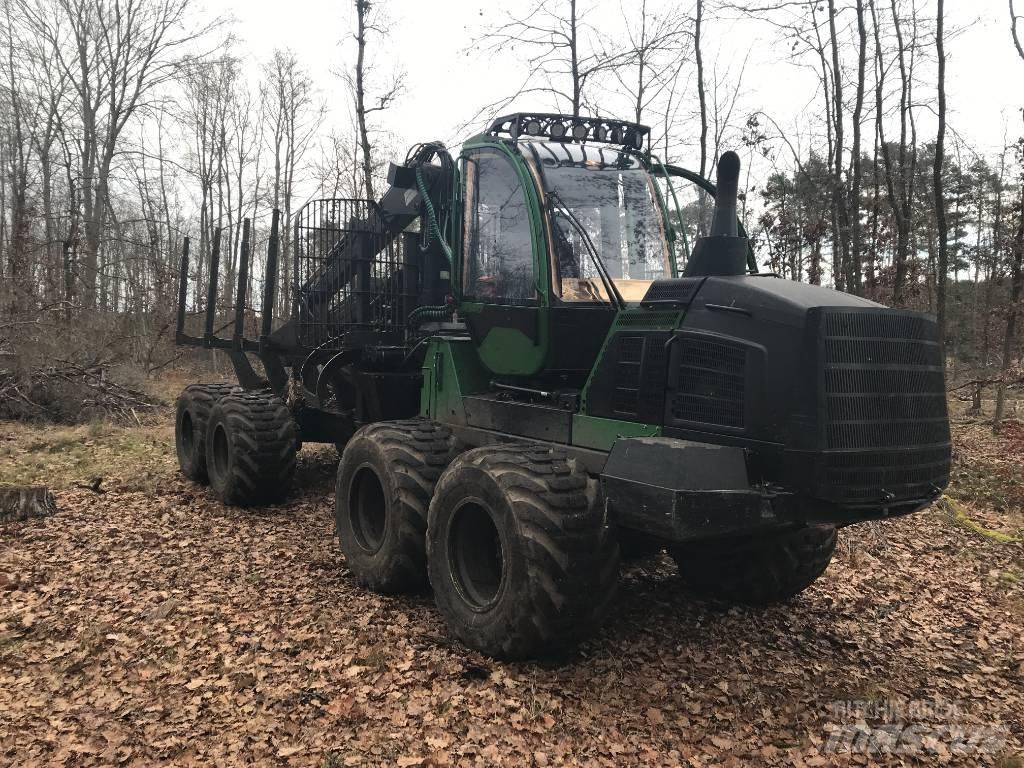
(905, 474)
(885, 426)
(711, 386)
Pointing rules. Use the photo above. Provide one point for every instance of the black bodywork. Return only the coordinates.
(835, 407)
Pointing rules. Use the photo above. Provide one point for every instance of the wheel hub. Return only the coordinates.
(368, 510)
(221, 449)
(187, 433)
(476, 555)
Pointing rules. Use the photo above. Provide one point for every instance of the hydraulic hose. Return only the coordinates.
(430, 313)
(432, 218)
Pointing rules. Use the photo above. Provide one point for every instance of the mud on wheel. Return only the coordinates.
(758, 570)
(191, 417)
(251, 440)
(385, 480)
(521, 561)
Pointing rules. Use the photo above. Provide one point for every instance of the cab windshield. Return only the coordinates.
(608, 195)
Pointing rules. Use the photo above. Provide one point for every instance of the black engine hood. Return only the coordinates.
(762, 298)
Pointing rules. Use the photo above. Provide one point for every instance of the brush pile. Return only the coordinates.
(67, 393)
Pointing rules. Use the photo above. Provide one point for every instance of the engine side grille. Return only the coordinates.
(711, 387)
(629, 381)
(626, 395)
(883, 406)
(679, 290)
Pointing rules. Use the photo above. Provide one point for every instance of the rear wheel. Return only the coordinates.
(522, 563)
(757, 571)
(251, 441)
(385, 480)
(191, 417)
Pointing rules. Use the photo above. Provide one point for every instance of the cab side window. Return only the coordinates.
(499, 244)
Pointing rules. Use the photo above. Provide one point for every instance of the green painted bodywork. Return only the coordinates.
(601, 434)
(508, 351)
(451, 370)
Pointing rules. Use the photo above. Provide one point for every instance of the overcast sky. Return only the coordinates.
(445, 86)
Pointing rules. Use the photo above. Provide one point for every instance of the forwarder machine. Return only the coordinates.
(525, 369)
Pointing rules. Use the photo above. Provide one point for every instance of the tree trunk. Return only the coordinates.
(1010, 335)
(703, 101)
(937, 178)
(362, 9)
(840, 214)
(854, 281)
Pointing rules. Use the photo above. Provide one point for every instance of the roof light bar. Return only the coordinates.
(558, 127)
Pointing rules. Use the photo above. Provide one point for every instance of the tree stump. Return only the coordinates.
(18, 504)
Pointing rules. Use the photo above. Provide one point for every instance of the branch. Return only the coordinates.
(1013, 31)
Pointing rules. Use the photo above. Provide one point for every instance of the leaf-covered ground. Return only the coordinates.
(150, 625)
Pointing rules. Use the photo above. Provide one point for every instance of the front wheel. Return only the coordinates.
(758, 570)
(521, 562)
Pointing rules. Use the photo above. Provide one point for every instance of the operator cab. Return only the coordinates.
(558, 235)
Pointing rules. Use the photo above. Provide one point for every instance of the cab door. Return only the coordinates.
(502, 278)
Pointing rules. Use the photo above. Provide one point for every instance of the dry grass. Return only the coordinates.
(133, 458)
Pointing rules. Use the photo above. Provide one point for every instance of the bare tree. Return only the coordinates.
(560, 51)
(701, 94)
(367, 21)
(16, 167)
(1014, 18)
(840, 213)
(293, 115)
(647, 66)
(114, 55)
(338, 169)
(854, 276)
(1016, 265)
(937, 177)
(901, 197)
(208, 87)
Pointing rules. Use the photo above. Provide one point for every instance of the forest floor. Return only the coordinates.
(150, 625)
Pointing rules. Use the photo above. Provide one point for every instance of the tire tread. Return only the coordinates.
(265, 438)
(570, 551)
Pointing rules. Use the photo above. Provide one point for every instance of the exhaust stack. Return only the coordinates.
(723, 252)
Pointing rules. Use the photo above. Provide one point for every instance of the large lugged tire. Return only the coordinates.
(251, 441)
(191, 417)
(523, 563)
(386, 477)
(757, 571)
